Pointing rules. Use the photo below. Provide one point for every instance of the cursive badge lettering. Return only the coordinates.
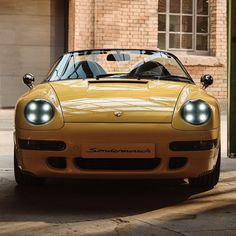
(114, 150)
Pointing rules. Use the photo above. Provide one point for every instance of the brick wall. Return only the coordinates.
(133, 24)
(216, 64)
(110, 23)
(126, 23)
(81, 24)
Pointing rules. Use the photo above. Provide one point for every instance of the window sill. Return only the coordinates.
(196, 60)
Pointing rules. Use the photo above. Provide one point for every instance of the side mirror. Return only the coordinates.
(28, 79)
(206, 80)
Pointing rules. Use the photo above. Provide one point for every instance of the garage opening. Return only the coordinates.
(33, 36)
(231, 79)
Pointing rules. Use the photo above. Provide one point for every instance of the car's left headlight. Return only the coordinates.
(39, 112)
(196, 112)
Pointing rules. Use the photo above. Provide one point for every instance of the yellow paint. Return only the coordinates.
(84, 117)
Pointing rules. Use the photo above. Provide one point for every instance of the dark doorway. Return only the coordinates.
(231, 79)
(33, 36)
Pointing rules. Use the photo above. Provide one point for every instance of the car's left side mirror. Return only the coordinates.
(206, 80)
(28, 79)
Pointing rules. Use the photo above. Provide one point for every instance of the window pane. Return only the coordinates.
(162, 6)
(202, 7)
(175, 6)
(187, 6)
(187, 41)
(162, 41)
(202, 42)
(174, 23)
(161, 22)
(174, 41)
(202, 24)
(187, 25)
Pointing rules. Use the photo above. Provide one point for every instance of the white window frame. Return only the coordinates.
(194, 33)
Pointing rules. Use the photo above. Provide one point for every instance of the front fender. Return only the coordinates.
(42, 91)
(192, 92)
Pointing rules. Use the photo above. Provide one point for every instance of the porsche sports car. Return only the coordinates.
(117, 113)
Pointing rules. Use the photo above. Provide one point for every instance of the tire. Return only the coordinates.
(208, 181)
(22, 178)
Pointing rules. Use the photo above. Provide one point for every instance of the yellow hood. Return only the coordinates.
(118, 100)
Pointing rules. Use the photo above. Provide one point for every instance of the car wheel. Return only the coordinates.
(23, 178)
(209, 180)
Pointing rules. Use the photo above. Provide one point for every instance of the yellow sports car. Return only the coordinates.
(117, 113)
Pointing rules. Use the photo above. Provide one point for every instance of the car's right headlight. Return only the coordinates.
(196, 112)
(39, 112)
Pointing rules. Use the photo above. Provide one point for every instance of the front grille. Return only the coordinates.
(42, 145)
(177, 162)
(57, 162)
(193, 145)
(117, 163)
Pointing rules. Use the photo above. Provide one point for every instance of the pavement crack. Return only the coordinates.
(165, 228)
(145, 222)
(174, 231)
(6, 169)
(117, 230)
(120, 221)
(211, 230)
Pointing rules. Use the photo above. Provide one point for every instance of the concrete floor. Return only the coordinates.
(72, 207)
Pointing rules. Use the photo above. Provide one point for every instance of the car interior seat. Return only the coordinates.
(86, 69)
(153, 67)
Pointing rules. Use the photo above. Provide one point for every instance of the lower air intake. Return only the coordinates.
(177, 162)
(201, 145)
(41, 145)
(117, 163)
(57, 162)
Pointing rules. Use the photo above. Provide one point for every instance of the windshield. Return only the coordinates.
(118, 63)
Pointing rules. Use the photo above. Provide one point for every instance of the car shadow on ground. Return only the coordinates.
(91, 200)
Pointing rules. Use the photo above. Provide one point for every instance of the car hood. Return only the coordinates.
(117, 100)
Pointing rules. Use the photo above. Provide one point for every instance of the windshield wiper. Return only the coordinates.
(175, 78)
(108, 75)
(154, 76)
(145, 75)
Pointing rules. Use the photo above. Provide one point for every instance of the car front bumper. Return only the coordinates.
(75, 136)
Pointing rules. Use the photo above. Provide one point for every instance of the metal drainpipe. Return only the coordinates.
(231, 152)
(94, 23)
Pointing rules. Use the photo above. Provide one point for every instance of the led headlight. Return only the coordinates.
(196, 112)
(39, 112)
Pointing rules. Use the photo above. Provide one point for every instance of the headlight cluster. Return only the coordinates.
(196, 112)
(39, 112)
